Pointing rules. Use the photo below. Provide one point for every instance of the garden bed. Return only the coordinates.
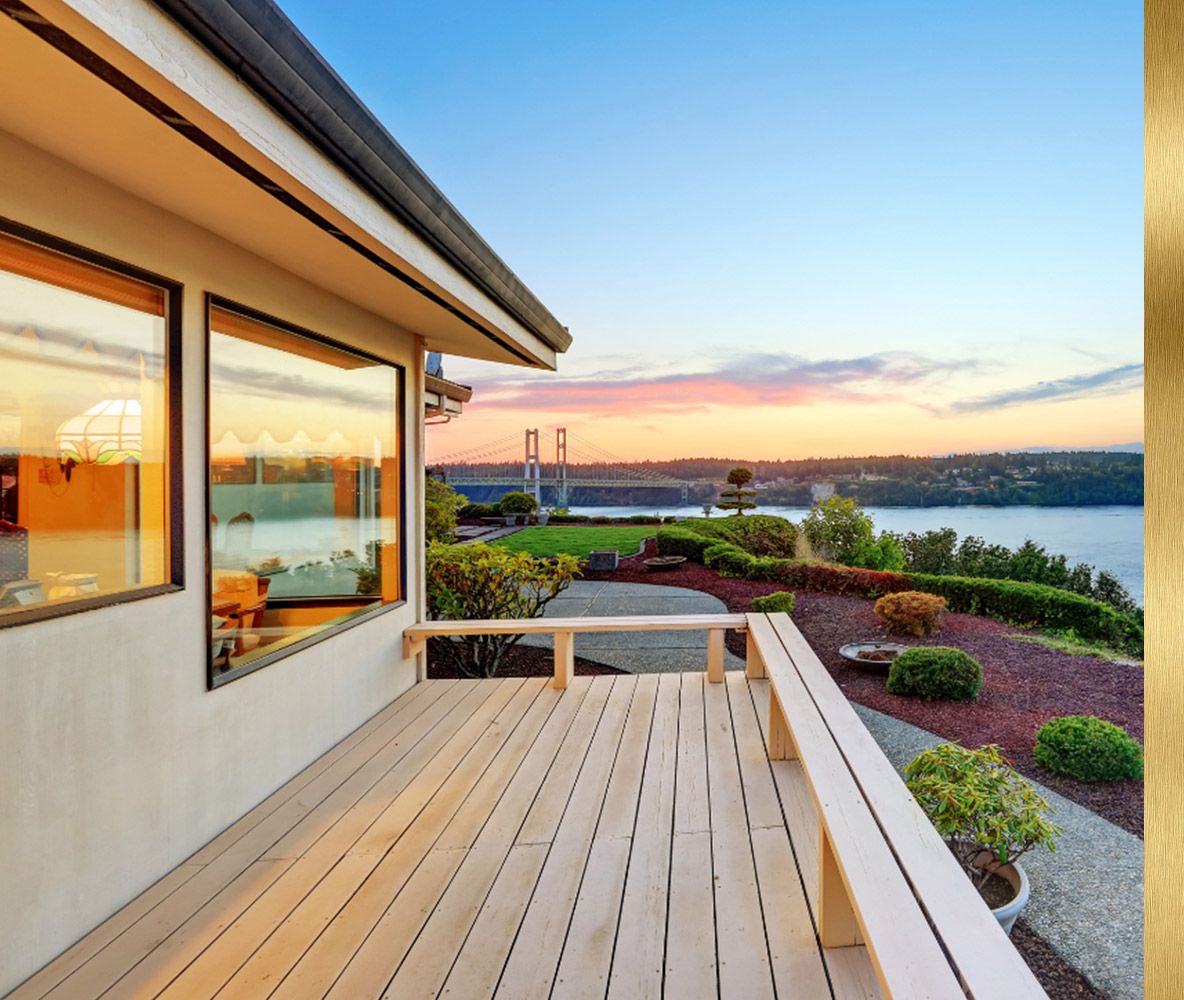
(1024, 684)
(519, 661)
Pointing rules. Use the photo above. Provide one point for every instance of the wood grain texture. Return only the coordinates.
(1164, 530)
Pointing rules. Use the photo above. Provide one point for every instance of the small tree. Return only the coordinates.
(735, 496)
(441, 504)
(978, 803)
(838, 529)
(488, 581)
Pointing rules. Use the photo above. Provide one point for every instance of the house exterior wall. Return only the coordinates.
(117, 761)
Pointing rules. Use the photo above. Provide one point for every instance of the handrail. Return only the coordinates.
(565, 629)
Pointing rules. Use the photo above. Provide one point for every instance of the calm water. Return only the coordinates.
(1109, 538)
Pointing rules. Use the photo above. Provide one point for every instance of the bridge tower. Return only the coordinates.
(532, 471)
(561, 465)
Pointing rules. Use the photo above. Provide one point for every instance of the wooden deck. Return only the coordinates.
(625, 837)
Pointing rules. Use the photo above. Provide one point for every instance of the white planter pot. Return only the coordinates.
(511, 520)
(1015, 875)
(544, 518)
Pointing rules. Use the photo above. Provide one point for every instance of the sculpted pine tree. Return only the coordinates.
(734, 496)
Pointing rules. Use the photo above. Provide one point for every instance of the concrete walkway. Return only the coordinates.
(1087, 897)
(637, 652)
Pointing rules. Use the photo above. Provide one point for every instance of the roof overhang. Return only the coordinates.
(226, 116)
(443, 398)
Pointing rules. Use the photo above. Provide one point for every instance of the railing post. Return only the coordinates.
(715, 656)
(781, 744)
(837, 926)
(754, 666)
(565, 659)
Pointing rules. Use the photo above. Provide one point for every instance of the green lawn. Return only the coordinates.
(578, 541)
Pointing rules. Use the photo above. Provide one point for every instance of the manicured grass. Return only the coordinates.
(578, 541)
(1072, 644)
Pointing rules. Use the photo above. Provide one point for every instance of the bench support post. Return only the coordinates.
(837, 926)
(715, 656)
(781, 744)
(565, 659)
(754, 666)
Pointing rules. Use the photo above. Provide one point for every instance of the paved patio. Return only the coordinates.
(638, 652)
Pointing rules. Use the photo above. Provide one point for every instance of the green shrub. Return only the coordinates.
(729, 560)
(517, 503)
(680, 541)
(756, 534)
(489, 581)
(977, 802)
(782, 601)
(764, 568)
(911, 612)
(1088, 748)
(641, 519)
(1036, 604)
(442, 505)
(479, 510)
(939, 673)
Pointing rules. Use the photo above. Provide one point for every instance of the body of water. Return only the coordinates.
(1109, 538)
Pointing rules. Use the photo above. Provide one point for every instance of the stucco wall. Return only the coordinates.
(116, 763)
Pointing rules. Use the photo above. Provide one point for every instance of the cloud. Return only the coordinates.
(1108, 382)
(752, 379)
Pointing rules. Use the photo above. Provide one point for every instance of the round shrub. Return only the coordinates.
(779, 601)
(517, 503)
(1088, 748)
(911, 612)
(939, 673)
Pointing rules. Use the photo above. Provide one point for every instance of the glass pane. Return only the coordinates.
(304, 487)
(83, 431)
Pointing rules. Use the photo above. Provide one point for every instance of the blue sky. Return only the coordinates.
(939, 203)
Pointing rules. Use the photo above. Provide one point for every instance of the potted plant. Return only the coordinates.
(988, 815)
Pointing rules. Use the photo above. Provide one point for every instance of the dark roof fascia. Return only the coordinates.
(257, 42)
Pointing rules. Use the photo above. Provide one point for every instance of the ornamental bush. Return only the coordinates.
(1088, 748)
(1035, 604)
(442, 505)
(757, 534)
(478, 510)
(517, 503)
(489, 581)
(938, 673)
(977, 803)
(729, 560)
(680, 541)
(910, 612)
(780, 601)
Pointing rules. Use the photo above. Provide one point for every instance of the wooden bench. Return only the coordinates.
(565, 629)
(886, 879)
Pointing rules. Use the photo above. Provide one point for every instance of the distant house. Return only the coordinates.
(821, 491)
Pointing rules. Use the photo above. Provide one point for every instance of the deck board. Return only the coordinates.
(626, 838)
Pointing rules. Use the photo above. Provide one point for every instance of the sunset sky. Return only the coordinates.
(786, 229)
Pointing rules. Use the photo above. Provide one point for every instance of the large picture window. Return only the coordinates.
(304, 489)
(85, 475)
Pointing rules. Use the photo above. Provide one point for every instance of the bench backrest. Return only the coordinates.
(927, 930)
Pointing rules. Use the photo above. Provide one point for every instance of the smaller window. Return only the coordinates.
(85, 470)
(305, 495)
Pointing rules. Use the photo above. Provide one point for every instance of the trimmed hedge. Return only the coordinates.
(939, 673)
(1088, 748)
(479, 510)
(756, 534)
(729, 560)
(782, 601)
(1035, 604)
(679, 541)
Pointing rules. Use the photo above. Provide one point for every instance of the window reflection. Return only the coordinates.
(304, 487)
(83, 431)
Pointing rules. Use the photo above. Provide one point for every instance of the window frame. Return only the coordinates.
(174, 457)
(212, 300)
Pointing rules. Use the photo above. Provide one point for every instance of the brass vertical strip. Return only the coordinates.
(1164, 536)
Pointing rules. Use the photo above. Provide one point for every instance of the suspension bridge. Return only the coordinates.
(578, 464)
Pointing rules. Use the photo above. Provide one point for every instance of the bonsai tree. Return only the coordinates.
(735, 496)
(978, 804)
(487, 581)
(441, 506)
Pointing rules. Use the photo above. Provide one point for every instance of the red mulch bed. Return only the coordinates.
(519, 661)
(1060, 980)
(1024, 685)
